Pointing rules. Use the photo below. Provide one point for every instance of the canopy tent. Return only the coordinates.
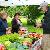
(21, 2)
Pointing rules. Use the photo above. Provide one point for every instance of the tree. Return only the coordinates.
(31, 11)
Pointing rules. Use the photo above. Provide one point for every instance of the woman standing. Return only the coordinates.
(16, 23)
(3, 23)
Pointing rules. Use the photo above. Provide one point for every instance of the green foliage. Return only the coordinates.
(31, 12)
(34, 13)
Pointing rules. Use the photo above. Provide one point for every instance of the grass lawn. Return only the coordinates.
(31, 28)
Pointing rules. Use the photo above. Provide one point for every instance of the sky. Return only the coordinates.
(23, 2)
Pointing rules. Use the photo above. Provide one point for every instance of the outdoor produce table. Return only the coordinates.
(21, 41)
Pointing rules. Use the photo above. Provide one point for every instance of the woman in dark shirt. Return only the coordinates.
(3, 23)
(16, 23)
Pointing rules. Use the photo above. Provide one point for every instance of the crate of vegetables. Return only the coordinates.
(37, 41)
(36, 45)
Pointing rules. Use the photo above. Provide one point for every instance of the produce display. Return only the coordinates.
(17, 42)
